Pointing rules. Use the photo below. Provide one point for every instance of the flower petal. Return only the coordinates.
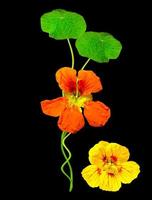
(88, 82)
(96, 113)
(109, 183)
(129, 171)
(117, 151)
(71, 120)
(66, 78)
(91, 175)
(97, 154)
(53, 107)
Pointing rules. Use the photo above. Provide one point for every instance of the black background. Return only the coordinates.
(38, 59)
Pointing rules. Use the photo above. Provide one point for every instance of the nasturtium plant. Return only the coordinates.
(98, 46)
(61, 24)
(77, 100)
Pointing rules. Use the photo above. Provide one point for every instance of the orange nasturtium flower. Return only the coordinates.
(77, 91)
(109, 167)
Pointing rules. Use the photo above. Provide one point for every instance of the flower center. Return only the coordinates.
(110, 168)
(110, 165)
(79, 101)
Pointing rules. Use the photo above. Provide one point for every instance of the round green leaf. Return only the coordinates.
(100, 47)
(62, 24)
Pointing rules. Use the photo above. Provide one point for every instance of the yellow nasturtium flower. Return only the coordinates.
(109, 167)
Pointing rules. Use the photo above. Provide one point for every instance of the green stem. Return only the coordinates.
(67, 161)
(72, 54)
(63, 152)
(85, 64)
(64, 136)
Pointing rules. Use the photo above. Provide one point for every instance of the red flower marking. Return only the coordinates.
(114, 158)
(99, 171)
(111, 174)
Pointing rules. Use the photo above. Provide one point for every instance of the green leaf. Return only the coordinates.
(100, 47)
(62, 24)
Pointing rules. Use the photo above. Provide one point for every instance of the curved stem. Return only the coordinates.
(63, 152)
(64, 136)
(85, 63)
(67, 161)
(72, 54)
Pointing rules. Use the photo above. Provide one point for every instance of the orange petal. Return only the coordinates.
(88, 82)
(96, 113)
(71, 120)
(53, 107)
(66, 78)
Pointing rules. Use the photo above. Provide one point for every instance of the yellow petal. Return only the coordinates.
(129, 171)
(97, 154)
(109, 183)
(118, 152)
(91, 175)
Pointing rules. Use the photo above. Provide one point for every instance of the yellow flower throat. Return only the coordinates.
(76, 100)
